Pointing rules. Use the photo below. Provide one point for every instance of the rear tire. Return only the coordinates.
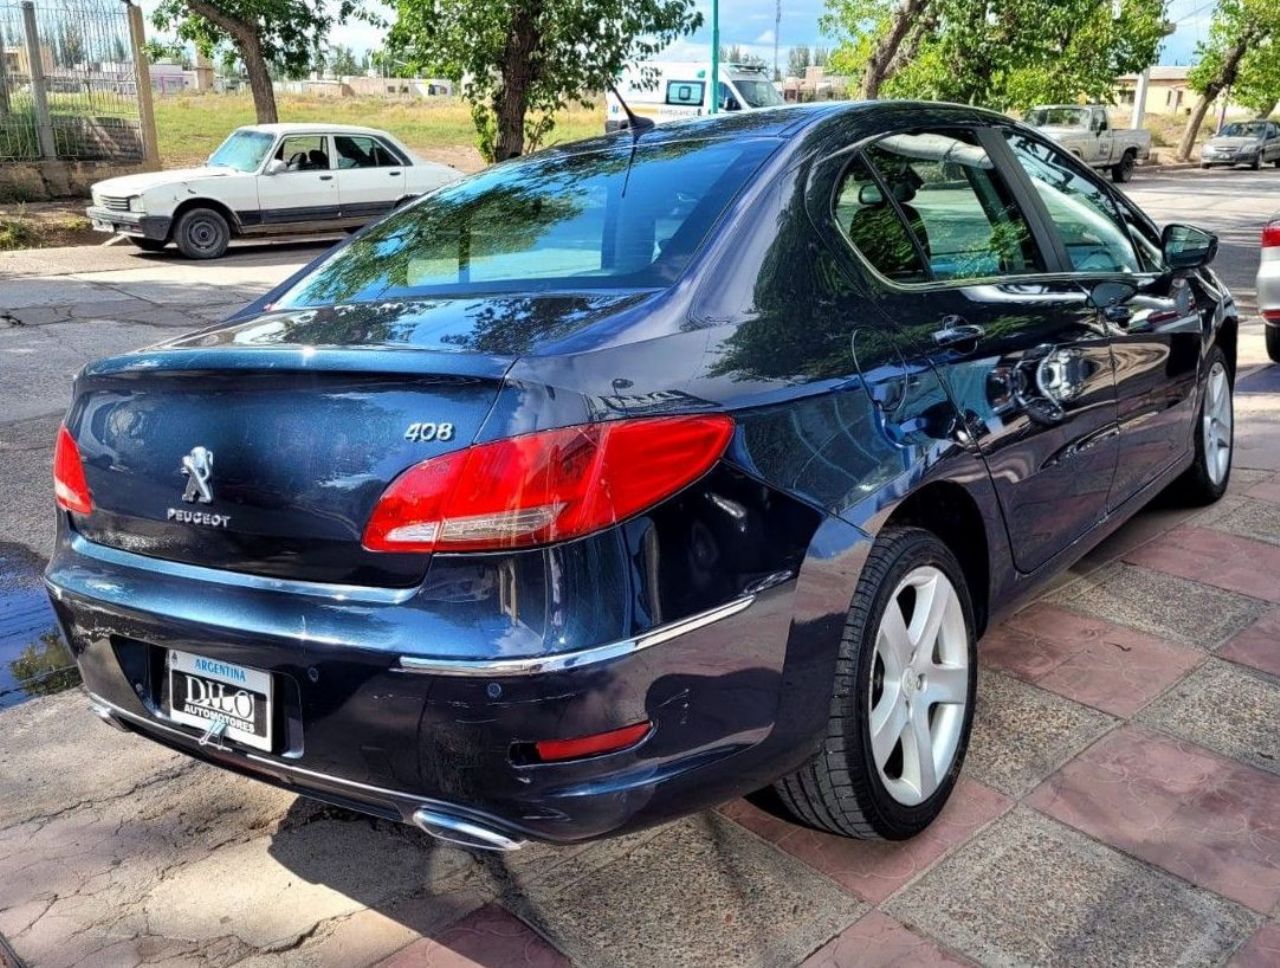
(1206, 480)
(148, 245)
(1256, 164)
(916, 690)
(202, 233)
(1123, 172)
(1273, 340)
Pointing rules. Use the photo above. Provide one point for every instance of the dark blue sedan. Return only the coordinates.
(638, 474)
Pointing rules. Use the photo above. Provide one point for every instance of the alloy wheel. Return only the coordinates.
(1217, 421)
(919, 685)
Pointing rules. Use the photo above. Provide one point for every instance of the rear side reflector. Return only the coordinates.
(1271, 235)
(549, 486)
(553, 750)
(70, 489)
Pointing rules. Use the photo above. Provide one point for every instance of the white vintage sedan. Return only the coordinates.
(267, 179)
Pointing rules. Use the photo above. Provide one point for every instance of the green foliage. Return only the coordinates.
(1251, 27)
(1003, 54)
(518, 63)
(737, 55)
(342, 61)
(45, 667)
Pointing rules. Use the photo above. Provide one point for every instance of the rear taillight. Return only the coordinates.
(1271, 235)
(70, 488)
(548, 486)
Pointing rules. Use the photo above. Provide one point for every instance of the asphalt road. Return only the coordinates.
(81, 303)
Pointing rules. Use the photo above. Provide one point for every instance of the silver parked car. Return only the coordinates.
(1252, 143)
(1269, 286)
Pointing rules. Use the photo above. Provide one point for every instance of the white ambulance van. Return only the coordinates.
(671, 90)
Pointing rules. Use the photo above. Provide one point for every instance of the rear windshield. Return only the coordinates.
(613, 219)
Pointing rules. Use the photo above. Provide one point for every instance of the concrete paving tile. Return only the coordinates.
(489, 936)
(1030, 891)
(1266, 490)
(874, 869)
(1211, 557)
(701, 892)
(1258, 645)
(1228, 709)
(878, 941)
(1161, 604)
(1107, 666)
(1021, 733)
(1261, 951)
(1208, 819)
(1245, 517)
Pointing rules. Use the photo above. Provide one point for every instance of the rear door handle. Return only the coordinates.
(393, 174)
(326, 178)
(956, 332)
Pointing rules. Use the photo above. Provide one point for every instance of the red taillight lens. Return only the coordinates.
(551, 750)
(543, 487)
(70, 488)
(1271, 235)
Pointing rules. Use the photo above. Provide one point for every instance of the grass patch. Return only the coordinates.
(191, 126)
(44, 225)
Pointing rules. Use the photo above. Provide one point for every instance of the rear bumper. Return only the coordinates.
(1268, 289)
(155, 227)
(367, 722)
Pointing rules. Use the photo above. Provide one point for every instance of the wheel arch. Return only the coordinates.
(1228, 337)
(204, 202)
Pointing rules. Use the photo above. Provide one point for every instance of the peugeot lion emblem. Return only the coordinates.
(198, 465)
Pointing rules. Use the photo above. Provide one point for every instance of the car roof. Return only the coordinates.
(296, 127)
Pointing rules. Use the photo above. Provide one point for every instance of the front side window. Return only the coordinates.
(959, 215)
(309, 152)
(625, 218)
(1096, 238)
(758, 94)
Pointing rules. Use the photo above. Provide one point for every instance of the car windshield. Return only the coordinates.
(758, 94)
(243, 150)
(1238, 129)
(621, 218)
(1065, 117)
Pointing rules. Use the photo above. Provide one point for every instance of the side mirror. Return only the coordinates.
(730, 103)
(1187, 247)
(275, 166)
(870, 195)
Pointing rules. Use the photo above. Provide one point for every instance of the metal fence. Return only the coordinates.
(68, 82)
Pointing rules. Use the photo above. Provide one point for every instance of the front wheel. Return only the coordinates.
(1206, 479)
(202, 233)
(902, 705)
(1123, 171)
(1256, 164)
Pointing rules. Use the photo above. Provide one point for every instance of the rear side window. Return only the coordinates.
(1096, 238)
(362, 152)
(685, 92)
(622, 218)
(941, 193)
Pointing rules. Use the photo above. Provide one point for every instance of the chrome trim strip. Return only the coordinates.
(180, 569)
(462, 832)
(564, 661)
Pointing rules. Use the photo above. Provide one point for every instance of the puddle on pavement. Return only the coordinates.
(34, 661)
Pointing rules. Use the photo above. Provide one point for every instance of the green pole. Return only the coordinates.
(715, 57)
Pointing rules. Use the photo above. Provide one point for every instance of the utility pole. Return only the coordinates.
(715, 57)
(777, 30)
(1140, 99)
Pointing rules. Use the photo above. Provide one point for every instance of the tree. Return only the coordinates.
(260, 32)
(738, 55)
(1240, 48)
(520, 61)
(798, 60)
(342, 61)
(1003, 54)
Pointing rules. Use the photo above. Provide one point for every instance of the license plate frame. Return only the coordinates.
(203, 691)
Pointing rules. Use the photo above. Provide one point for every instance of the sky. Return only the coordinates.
(750, 25)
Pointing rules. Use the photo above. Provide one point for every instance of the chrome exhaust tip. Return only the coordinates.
(107, 716)
(464, 833)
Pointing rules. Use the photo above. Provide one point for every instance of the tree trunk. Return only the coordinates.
(1226, 77)
(884, 60)
(512, 101)
(244, 34)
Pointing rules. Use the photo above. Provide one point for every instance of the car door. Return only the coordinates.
(961, 266)
(1271, 148)
(297, 184)
(1156, 320)
(370, 178)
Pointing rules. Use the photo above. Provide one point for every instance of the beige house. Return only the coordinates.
(1168, 92)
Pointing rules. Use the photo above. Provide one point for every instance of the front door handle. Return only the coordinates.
(1118, 313)
(393, 174)
(326, 178)
(955, 332)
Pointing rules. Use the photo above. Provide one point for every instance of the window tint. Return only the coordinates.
(358, 152)
(304, 152)
(623, 218)
(1096, 238)
(962, 220)
(875, 228)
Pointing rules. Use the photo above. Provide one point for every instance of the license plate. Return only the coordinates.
(205, 691)
(103, 226)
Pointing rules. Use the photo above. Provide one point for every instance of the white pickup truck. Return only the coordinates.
(1086, 131)
(267, 179)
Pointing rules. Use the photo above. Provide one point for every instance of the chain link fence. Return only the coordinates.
(68, 82)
